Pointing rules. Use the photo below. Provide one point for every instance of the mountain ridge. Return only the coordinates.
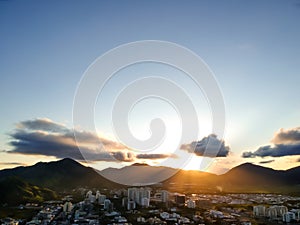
(67, 173)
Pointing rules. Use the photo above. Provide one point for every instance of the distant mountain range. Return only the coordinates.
(67, 174)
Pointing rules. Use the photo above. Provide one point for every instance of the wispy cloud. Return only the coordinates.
(209, 146)
(155, 156)
(12, 164)
(267, 161)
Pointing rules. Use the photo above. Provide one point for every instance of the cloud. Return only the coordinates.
(274, 151)
(45, 137)
(124, 156)
(267, 161)
(12, 164)
(287, 136)
(209, 146)
(155, 156)
(285, 143)
(44, 124)
(298, 160)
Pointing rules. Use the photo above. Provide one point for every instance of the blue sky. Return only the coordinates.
(251, 46)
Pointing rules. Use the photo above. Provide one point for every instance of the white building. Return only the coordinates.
(259, 210)
(191, 204)
(137, 194)
(145, 202)
(164, 196)
(276, 211)
(131, 205)
(288, 217)
(297, 213)
(68, 206)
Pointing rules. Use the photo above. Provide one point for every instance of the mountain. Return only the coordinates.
(15, 191)
(67, 174)
(248, 177)
(138, 174)
(59, 175)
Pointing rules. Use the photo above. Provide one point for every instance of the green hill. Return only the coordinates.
(15, 191)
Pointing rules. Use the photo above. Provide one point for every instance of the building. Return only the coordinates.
(137, 194)
(68, 206)
(259, 210)
(164, 196)
(297, 214)
(275, 211)
(101, 199)
(191, 204)
(107, 204)
(131, 205)
(179, 199)
(288, 217)
(145, 202)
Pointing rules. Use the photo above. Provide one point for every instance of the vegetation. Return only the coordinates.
(18, 191)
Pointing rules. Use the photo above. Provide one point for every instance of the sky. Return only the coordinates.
(252, 47)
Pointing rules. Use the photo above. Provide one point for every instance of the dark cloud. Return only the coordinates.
(154, 156)
(287, 136)
(274, 151)
(209, 146)
(124, 156)
(267, 161)
(44, 137)
(286, 143)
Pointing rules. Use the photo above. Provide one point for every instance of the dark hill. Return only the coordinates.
(67, 174)
(15, 191)
(59, 175)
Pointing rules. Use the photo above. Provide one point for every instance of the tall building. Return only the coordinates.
(107, 204)
(131, 205)
(164, 196)
(259, 210)
(275, 211)
(68, 206)
(145, 202)
(137, 194)
(179, 199)
(288, 217)
(132, 192)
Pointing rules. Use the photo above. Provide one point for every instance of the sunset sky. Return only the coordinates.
(252, 47)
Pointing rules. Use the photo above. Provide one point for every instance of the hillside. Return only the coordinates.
(15, 191)
(59, 175)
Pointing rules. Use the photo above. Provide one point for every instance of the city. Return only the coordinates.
(145, 205)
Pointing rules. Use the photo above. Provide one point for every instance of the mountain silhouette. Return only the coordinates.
(59, 175)
(67, 174)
